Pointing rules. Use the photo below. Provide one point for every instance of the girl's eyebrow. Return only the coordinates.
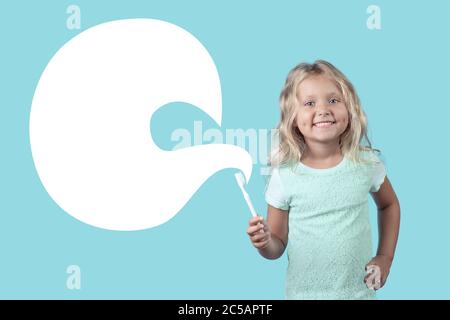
(330, 94)
(333, 93)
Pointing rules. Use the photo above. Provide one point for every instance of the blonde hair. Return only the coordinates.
(291, 141)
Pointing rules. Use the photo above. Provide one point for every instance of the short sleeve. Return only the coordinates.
(378, 175)
(274, 194)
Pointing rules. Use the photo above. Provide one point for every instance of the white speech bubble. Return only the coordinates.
(90, 118)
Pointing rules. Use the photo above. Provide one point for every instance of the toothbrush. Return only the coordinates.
(241, 182)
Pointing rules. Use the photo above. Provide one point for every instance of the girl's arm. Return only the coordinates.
(388, 219)
(388, 227)
(272, 242)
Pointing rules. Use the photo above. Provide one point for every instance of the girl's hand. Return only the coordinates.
(384, 264)
(259, 232)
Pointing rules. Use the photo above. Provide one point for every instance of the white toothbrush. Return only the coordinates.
(241, 182)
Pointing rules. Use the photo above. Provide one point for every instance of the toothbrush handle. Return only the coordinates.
(249, 203)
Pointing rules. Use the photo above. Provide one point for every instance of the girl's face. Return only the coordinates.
(321, 115)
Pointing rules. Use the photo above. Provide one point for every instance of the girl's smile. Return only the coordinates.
(325, 124)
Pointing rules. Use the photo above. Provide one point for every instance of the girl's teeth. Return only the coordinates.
(323, 124)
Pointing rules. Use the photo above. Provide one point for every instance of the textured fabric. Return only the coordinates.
(329, 240)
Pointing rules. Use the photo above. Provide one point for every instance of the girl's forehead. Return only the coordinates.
(318, 85)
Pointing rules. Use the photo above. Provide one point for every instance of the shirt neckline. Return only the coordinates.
(323, 170)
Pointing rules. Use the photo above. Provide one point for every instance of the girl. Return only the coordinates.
(317, 193)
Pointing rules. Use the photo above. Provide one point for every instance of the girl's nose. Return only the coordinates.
(323, 111)
(322, 108)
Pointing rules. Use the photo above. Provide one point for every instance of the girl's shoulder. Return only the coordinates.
(368, 160)
(282, 172)
(369, 155)
(278, 170)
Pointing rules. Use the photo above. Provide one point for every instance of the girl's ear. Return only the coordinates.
(348, 126)
(345, 132)
(298, 133)
(346, 129)
(349, 121)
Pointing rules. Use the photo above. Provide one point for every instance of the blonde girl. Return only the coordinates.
(317, 194)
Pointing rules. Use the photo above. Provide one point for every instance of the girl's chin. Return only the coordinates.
(323, 137)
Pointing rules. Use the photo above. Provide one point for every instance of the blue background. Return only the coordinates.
(400, 72)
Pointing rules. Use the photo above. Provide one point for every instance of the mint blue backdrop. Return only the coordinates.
(400, 72)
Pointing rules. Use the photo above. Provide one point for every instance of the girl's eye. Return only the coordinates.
(334, 101)
(309, 103)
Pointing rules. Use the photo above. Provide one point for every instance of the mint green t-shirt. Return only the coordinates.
(329, 239)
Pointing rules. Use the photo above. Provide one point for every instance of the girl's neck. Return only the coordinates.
(322, 153)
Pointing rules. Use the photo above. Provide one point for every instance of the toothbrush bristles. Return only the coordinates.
(241, 182)
(240, 178)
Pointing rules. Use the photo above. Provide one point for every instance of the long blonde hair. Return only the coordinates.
(291, 143)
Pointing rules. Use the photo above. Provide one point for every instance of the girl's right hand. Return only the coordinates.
(259, 232)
